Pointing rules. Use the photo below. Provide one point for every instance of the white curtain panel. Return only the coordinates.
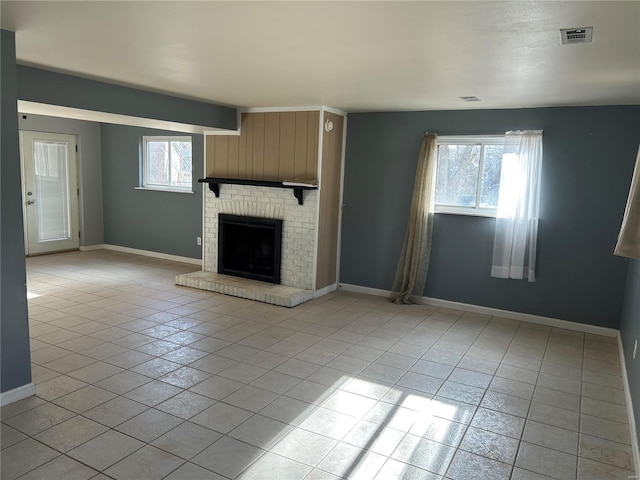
(629, 238)
(514, 248)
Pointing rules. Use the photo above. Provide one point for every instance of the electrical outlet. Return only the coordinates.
(198, 240)
(635, 348)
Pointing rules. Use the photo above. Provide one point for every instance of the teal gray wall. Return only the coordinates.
(89, 168)
(165, 222)
(15, 370)
(630, 331)
(43, 86)
(589, 155)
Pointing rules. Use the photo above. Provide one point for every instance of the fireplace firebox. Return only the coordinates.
(249, 247)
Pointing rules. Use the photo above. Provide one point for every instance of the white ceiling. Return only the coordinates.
(357, 56)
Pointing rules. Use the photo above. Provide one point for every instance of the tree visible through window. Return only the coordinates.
(468, 174)
(167, 163)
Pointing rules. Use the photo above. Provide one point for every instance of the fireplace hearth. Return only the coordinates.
(249, 247)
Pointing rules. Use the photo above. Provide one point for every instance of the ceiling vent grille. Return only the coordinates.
(470, 99)
(576, 35)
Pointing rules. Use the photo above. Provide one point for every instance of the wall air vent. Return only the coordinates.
(576, 35)
(470, 99)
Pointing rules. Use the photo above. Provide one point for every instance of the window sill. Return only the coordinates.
(172, 190)
(470, 212)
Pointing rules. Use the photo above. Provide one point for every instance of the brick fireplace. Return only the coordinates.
(298, 226)
(284, 165)
(299, 238)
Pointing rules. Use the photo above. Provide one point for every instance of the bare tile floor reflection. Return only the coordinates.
(139, 379)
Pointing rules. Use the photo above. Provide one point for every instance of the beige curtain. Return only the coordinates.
(411, 274)
(629, 238)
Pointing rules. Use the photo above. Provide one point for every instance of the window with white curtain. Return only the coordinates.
(468, 174)
(495, 176)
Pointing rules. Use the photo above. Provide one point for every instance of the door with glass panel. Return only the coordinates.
(50, 192)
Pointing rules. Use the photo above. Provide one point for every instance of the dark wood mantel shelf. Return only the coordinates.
(214, 185)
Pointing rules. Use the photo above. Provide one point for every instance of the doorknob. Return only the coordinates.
(30, 202)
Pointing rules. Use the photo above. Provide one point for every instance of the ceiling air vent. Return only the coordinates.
(470, 99)
(576, 35)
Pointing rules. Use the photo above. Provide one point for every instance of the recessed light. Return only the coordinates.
(470, 99)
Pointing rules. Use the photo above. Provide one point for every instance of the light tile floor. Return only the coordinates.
(139, 379)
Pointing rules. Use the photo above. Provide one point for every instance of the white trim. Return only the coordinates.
(163, 189)
(103, 117)
(337, 111)
(347, 287)
(90, 248)
(325, 290)
(204, 187)
(23, 189)
(523, 317)
(230, 133)
(314, 108)
(635, 450)
(148, 253)
(341, 200)
(470, 211)
(280, 109)
(16, 394)
(314, 281)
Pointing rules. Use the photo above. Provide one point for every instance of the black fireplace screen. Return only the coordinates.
(249, 247)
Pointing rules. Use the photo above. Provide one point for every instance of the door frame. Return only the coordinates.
(24, 195)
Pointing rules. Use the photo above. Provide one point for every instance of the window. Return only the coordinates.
(166, 163)
(468, 175)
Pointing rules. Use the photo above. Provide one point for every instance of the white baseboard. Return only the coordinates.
(524, 317)
(89, 248)
(347, 287)
(325, 290)
(635, 449)
(148, 253)
(16, 394)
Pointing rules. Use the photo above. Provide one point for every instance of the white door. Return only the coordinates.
(50, 192)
